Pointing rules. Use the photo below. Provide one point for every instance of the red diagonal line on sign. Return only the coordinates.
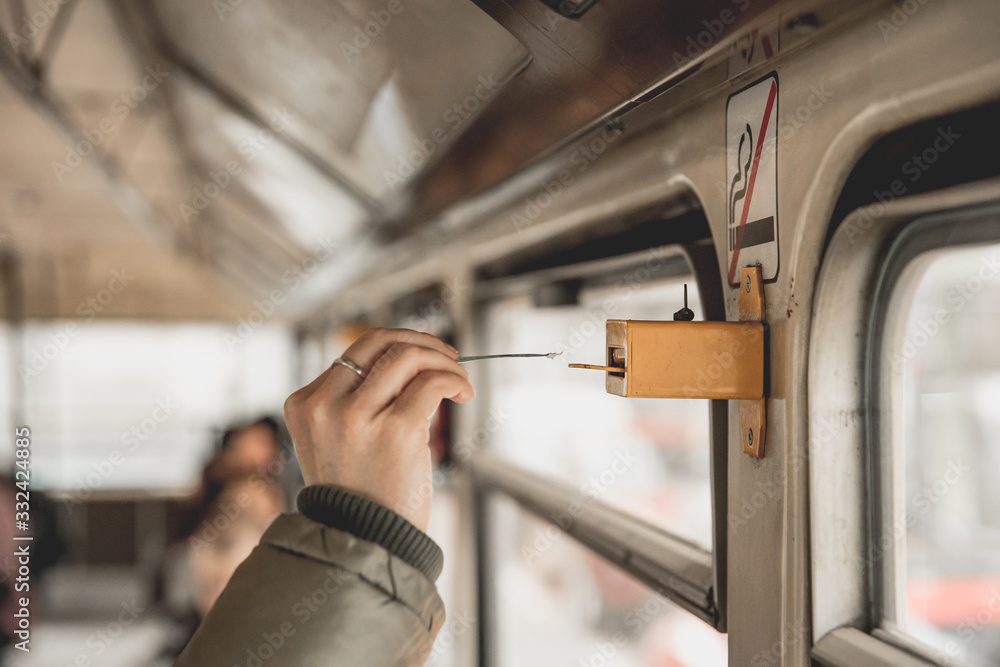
(765, 41)
(753, 178)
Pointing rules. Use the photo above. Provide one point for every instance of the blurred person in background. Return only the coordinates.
(255, 450)
(244, 487)
(233, 524)
(350, 580)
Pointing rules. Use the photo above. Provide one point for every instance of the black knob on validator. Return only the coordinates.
(685, 314)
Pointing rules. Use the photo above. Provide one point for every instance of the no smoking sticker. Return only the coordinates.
(751, 178)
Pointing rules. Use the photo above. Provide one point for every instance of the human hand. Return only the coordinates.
(369, 435)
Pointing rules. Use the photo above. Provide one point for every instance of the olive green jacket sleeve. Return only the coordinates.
(312, 595)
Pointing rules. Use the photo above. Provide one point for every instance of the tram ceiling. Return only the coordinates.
(231, 142)
(609, 59)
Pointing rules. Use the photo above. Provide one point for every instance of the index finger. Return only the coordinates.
(366, 350)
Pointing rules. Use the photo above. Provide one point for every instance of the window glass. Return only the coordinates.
(559, 604)
(946, 365)
(127, 406)
(647, 456)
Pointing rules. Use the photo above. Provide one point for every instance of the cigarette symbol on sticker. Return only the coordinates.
(741, 189)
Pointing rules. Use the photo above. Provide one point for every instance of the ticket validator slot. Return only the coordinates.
(684, 359)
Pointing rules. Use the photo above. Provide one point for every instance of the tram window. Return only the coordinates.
(945, 388)
(134, 406)
(557, 603)
(648, 457)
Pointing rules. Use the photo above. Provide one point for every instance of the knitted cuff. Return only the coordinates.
(370, 521)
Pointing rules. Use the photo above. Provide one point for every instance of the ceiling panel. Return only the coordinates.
(363, 102)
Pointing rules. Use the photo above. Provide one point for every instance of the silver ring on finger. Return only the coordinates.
(347, 363)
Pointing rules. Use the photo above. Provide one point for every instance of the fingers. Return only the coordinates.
(371, 435)
(396, 362)
(295, 416)
(424, 394)
(372, 344)
(396, 369)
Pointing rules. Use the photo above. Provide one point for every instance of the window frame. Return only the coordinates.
(854, 462)
(672, 566)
